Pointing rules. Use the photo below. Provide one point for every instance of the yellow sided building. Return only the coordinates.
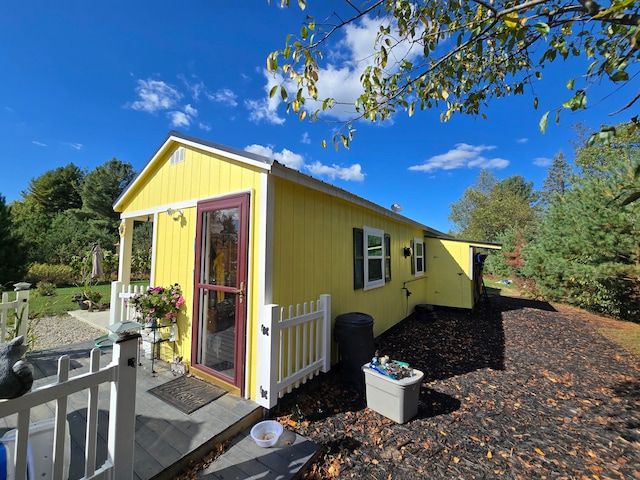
(241, 233)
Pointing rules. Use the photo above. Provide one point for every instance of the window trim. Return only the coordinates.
(377, 283)
(418, 272)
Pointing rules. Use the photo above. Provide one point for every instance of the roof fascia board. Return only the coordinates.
(173, 137)
(475, 243)
(222, 153)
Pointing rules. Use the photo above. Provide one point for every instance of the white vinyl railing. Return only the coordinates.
(119, 309)
(121, 375)
(21, 307)
(294, 345)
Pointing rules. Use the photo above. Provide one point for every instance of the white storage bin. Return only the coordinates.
(40, 451)
(395, 399)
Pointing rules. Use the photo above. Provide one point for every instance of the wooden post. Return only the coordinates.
(124, 258)
(60, 419)
(123, 406)
(115, 307)
(325, 301)
(266, 394)
(22, 307)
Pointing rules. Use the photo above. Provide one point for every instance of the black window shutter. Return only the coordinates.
(358, 258)
(413, 261)
(387, 258)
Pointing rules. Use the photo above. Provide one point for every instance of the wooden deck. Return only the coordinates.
(166, 439)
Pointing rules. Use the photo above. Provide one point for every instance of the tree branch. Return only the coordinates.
(633, 100)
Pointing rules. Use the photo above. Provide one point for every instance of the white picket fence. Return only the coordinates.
(294, 345)
(121, 375)
(21, 307)
(120, 310)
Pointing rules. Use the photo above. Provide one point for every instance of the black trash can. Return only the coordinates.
(354, 334)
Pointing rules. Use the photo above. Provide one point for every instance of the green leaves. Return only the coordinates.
(542, 28)
(475, 52)
(605, 136)
(578, 101)
(543, 122)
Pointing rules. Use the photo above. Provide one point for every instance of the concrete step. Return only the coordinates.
(244, 460)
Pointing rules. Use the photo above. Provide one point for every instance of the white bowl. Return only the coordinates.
(267, 433)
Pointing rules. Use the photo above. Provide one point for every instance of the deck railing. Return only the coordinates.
(120, 310)
(121, 375)
(294, 345)
(21, 307)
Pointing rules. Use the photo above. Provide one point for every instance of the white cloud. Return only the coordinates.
(196, 88)
(522, 140)
(542, 161)
(266, 109)
(340, 77)
(189, 110)
(352, 173)
(482, 162)
(75, 146)
(155, 95)
(204, 126)
(296, 161)
(305, 138)
(40, 144)
(464, 155)
(224, 96)
(286, 157)
(179, 119)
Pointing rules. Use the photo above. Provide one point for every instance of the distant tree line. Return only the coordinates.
(578, 239)
(60, 215)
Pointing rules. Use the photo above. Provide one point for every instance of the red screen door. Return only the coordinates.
(220, 288)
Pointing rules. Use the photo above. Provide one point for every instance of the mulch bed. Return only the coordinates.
(519, 390)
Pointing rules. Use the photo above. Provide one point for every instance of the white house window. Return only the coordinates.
(374, 258)
(418, 257)
(177, 156)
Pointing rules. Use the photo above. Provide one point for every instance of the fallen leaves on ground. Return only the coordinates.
(521, 389)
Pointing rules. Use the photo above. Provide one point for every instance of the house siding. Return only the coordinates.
(313, 254)
(300, 241)
(202, 175)
(448, 268)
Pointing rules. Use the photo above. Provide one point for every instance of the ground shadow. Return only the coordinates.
(45, 362)
(456, 341)
(432, 403)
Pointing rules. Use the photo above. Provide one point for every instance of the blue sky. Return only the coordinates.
(84, 82)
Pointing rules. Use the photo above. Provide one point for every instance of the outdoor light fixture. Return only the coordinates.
(172, 213)
(407, 251)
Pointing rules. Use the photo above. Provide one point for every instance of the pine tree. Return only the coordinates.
(10, 253)
(557, 180)
(587, 248)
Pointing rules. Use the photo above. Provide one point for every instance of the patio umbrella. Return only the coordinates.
(96, 261)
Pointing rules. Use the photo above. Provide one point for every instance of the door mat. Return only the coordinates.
(187, 394)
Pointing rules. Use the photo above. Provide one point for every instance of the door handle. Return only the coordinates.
(240, 291)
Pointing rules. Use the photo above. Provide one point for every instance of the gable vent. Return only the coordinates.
(177, 156)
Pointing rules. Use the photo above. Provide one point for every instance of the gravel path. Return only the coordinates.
(51, 332)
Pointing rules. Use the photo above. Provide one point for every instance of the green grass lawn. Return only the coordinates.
(629, 337)
(61, 303)
(496, 287)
